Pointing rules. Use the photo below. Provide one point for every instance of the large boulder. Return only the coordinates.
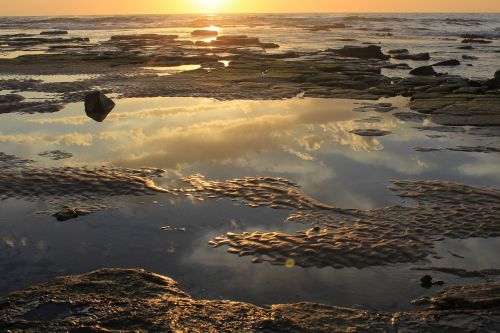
(98, 106)
(423, 71)
(361, 52)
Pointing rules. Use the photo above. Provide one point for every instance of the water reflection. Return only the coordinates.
(305, 140)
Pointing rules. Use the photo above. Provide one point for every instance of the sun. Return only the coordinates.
(208, 6)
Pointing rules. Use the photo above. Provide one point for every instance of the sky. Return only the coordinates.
(105, 7)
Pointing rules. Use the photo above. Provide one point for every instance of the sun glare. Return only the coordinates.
(208, 6)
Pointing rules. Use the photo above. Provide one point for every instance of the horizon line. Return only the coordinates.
(253, 13)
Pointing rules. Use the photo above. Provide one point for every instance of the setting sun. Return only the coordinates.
(208, 6)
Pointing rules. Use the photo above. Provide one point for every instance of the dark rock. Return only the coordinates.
(368, 52)
(423, 71)
(370, 132)
(469, 57)
(98, 106)
(476, 41)
(452, 62)
(417, 57)
(205, 33)
(11, 98)
(397, 66)
(69, 213)
(472, 36)
(237, 41)
(466, 47)
(54, 32)
(398, 51)
(495, 82)
(426, 281)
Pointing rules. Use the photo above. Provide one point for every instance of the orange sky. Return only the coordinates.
(75, 7)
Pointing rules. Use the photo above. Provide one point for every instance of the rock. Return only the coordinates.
(473, 36)
(495, 82)
(69, 213)
(398, 51)
(205, 33)
(452, 62)
(397, 66)
(54, 32)
(476, 41)
(423, 71)
(466, 47)
(98, 106)
(417, 57)
(469, 57)
(11, 98)
(426, 281)
(370, 132)
(56, 155)
(368, 52)
(135, 300)
(237, 41)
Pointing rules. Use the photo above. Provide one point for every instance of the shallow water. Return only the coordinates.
(308, 141)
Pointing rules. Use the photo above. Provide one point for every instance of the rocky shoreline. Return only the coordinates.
(131, 300)
(125, 65)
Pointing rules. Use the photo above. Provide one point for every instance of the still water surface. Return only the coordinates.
(305, 140)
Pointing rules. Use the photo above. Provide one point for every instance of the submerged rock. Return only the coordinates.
(98, 106)
(423, 71)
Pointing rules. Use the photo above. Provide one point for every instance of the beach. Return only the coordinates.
(289, 163)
